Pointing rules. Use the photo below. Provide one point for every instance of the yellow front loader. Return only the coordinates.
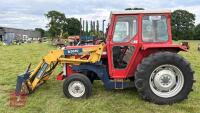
(30, 80)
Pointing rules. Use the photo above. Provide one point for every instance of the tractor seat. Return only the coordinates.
(118, 58)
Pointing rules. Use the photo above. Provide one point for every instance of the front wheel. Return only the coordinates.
(77, 86)
(164, 78)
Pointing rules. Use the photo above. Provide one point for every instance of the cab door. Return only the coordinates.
(122, 44)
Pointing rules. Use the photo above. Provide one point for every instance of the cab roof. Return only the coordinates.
(140, 11)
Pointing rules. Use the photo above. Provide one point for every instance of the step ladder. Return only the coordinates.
(119, 83)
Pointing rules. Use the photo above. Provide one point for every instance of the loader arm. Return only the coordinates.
(31, 80)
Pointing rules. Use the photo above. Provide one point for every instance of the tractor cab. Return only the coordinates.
(131, 31)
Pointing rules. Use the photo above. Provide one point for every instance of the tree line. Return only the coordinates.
(59, 26)
(93, 30)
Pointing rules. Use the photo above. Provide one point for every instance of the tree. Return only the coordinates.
(83, 26)
(60, 26)
(91, 26)
(42, 31)
(183, 24)
(197, 32)
(136, 8)
(97, 26)
(65, 35)
(86, 29)
(73, 26)
(56, 24)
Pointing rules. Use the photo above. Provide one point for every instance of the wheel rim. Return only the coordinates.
(166, 81)
(76, 89)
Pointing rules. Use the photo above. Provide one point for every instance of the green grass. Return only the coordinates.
(49, 98)
(1, 43)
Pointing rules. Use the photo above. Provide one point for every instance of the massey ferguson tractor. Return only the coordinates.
(138, 52)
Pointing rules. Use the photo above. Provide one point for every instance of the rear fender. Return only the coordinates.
(173, 48)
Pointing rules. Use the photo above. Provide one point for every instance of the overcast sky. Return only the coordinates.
(29, 14)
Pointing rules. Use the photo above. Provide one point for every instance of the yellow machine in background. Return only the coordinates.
(30, 80)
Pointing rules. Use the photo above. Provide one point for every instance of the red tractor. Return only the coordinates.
(138, 53)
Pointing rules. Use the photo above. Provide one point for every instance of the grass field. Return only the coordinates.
(50, 98)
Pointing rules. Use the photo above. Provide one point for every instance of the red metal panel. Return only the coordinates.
(69, 70)
(163, 46)
(121, 73)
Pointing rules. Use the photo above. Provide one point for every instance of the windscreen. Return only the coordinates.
(154, 29)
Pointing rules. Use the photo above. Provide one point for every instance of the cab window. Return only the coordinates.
(154, 29)
(125, 28)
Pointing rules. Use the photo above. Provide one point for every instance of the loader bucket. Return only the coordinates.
(21, 83)
(21, 80)
(19, 96)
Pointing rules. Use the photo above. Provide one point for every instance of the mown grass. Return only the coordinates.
(49, 98)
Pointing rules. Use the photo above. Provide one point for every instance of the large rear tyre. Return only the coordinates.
(77, 86)
(164, 78)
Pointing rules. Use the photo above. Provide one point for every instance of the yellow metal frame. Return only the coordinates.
(58, 56)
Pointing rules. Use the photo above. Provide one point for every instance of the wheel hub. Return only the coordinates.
(166, 81)
(76, 89)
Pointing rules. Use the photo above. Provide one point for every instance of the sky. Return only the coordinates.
(29, 14)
